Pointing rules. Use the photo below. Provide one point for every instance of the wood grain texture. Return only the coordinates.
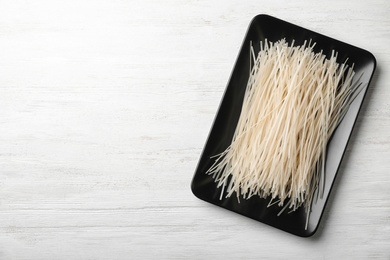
(104, 110)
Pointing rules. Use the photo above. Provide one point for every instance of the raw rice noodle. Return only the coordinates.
(294, 100)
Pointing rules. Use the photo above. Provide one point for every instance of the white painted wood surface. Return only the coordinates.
(105, 107)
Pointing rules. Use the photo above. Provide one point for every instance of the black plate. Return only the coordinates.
(203, 186)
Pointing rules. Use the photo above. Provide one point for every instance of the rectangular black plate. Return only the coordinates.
(203, 186)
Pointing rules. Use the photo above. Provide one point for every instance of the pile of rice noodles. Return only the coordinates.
(294, 100)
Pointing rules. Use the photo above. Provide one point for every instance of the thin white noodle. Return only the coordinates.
(294, 100)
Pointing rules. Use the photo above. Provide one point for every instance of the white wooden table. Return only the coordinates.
(105, 107)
